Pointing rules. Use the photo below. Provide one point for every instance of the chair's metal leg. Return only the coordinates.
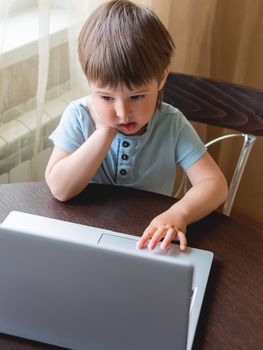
(247, 146)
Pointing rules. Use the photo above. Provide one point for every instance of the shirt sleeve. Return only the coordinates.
(73, 129)
(189, 148)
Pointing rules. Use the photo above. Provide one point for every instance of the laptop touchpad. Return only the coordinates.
(128, 243)
(115, 241)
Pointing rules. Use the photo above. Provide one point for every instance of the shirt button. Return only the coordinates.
(123, 172)
(124, 157)
(125, 144)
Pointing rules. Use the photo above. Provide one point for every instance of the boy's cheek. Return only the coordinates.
(105, 112)
(107, 117)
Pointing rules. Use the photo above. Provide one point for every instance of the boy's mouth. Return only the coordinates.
(128, 126)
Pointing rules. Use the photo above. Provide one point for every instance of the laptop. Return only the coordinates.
(81, 287)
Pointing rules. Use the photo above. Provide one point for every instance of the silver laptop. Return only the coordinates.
(82, 287)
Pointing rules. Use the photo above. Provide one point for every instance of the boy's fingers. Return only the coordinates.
(182, 239)
(152, 235)
(170, 234)
(147, 234)
(159, 233)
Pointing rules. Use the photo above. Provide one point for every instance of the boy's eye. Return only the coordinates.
(137, 97)
(107, 98)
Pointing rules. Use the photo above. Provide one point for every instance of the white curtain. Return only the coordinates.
(39, 75)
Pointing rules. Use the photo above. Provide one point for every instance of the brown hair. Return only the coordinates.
(124, 44)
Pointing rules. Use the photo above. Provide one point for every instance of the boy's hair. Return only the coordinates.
(122, 44)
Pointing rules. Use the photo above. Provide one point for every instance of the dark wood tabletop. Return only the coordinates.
(232, 312)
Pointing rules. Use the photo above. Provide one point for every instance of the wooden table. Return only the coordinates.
(232, 313)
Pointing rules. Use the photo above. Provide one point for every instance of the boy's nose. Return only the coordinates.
(123, 112)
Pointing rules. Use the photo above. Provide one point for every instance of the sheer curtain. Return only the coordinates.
(39, 75)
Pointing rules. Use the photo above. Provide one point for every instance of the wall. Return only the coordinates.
(223, 39)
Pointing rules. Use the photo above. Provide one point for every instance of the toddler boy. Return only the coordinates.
(122, 134)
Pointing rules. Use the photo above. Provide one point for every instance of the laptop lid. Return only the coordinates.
(97, 295)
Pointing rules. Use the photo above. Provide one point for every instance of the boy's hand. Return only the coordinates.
(167, 226)
(99, 122)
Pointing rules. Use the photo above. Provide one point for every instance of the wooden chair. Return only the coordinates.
(225, 105)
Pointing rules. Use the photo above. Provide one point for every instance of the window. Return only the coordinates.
(23, 20)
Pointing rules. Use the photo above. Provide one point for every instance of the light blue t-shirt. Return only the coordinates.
(147, 161)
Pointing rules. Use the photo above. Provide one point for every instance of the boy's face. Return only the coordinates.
(126, 110)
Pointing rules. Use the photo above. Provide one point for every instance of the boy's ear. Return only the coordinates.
(163, 78)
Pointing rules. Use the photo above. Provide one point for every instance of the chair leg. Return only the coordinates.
(247, 146)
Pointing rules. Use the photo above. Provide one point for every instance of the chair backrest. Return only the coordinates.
(225, 105)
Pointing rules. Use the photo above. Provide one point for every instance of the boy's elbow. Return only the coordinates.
(60, 194)
(60, 197)
(56, 191)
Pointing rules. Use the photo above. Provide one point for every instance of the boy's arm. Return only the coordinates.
(208, 191)
(67, 174)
